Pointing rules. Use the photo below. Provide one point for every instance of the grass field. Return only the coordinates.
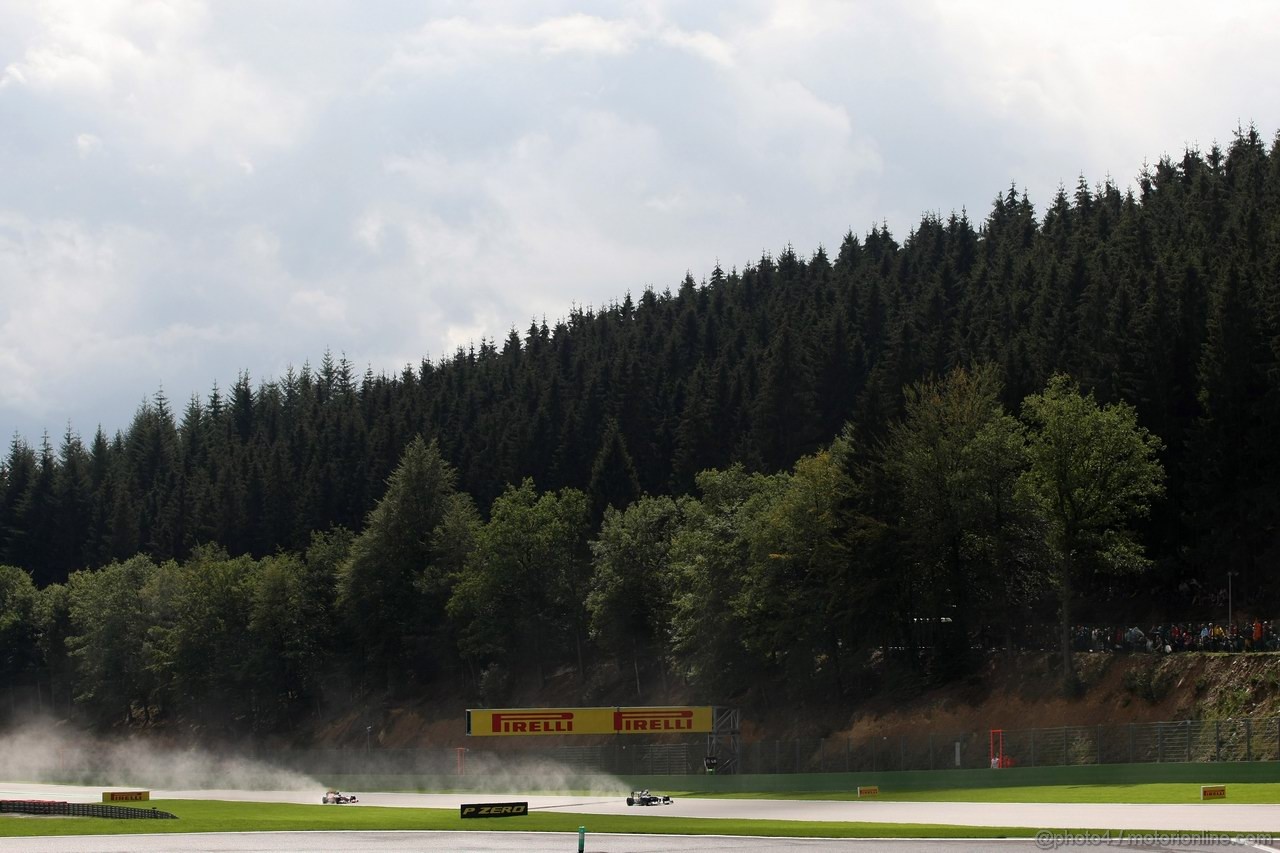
(1163, 792)
(221, 816)
(217, 816)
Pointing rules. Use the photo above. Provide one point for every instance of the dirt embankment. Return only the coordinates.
(1025, 691)
(1011, 692)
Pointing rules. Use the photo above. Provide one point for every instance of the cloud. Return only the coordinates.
(707, 46)
(317, 306)
(110, 314)
(64, 289)
(452, 44)
(783, 122)
(582, 34)
(151, 71)
(1106, 81)
(87, 144)
(455, 43)
(195, 189)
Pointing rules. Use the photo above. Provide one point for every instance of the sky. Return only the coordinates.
(191, 190)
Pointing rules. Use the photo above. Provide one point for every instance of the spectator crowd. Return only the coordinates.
(1256, 636)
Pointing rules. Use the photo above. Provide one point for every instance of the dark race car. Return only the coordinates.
(338, 798)
(644, 798)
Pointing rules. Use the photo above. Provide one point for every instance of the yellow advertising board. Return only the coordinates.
(647, 721)
(507, 722)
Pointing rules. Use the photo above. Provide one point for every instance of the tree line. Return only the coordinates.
(774, 580)
(1164, 299)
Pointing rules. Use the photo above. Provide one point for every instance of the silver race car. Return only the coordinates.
(644, 798)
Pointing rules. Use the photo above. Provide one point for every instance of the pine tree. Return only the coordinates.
(381, 585)
(613, 475)
(73, 499)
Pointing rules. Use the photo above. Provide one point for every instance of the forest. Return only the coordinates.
(759, 481)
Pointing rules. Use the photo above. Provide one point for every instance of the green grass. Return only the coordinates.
(220, 816)
(1162, 792)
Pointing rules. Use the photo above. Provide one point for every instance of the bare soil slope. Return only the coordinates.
(1012, 692)
(1025, 691)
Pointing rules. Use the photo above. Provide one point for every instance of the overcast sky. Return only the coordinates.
(194, 189)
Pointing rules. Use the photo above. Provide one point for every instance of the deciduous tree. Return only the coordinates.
(1092, 471)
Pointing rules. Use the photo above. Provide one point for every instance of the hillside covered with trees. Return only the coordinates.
(751, 482)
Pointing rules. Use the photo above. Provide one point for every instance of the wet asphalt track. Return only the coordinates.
(1221, 817)
(520, 842)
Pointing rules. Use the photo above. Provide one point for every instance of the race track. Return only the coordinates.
(1213, 816)
(483, 842)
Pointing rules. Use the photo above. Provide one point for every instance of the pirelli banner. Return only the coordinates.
(509, 722)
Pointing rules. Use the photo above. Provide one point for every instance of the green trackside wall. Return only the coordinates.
(889, 781)
(906, 780)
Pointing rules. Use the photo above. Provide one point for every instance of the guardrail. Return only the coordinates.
(53, 807)
(1249, 739)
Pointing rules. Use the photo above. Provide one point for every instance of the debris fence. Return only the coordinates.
(1249, 739)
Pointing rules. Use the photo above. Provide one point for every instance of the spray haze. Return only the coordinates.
(51, 753)
(437, 769)
(503, 772)
(46, 752)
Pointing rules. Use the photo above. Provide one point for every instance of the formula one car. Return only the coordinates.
(338, 798)
(644, 798)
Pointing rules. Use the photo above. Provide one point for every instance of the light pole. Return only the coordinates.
(1230, 610)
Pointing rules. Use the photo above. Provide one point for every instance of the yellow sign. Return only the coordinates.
(124, 796)
(868, 790)
(644, 721)
(503, 722)
(1213, 792)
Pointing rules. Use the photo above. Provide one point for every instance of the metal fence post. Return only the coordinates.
(1217, 740)
(1159, 743)
(1248, 740)
(930, 750)
(902, 752)
(848, 750)
(1097, 744)
(1066, 756)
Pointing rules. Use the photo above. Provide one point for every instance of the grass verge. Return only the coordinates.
(221, 816)
(1163, 792)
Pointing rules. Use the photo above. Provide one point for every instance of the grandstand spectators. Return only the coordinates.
(1256, 636)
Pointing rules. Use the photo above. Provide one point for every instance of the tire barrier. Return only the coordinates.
(52, 807)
